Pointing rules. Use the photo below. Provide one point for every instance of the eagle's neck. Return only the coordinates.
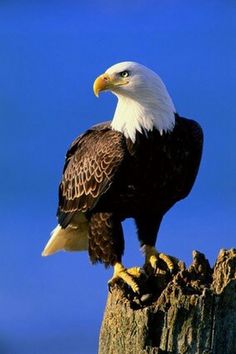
(139, 115)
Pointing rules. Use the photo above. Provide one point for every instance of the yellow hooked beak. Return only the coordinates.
(102, 83)
(106, 82)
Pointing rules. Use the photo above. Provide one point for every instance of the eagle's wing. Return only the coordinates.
(91, 165)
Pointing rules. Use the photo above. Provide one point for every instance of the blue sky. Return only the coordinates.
(51, 51)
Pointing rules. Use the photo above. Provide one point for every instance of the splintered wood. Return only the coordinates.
(192, 311)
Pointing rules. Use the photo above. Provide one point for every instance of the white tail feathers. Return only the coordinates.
(72, 238)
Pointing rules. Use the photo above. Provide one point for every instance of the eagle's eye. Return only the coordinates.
(124, 73)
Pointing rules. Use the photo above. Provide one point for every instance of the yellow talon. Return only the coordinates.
(153, 260)
(134, 271)
(167, 260)
(152, 256)
(127, 275)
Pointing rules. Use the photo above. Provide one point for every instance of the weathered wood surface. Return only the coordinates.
(190, 312)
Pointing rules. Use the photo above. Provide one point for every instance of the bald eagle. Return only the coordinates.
(138, 165)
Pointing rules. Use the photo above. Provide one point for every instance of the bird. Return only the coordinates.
(136, 165)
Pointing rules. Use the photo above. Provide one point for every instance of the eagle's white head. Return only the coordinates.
(143, 100)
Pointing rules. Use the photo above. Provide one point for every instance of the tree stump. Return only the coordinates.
(192, 311)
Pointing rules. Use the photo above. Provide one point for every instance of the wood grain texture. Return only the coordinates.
(191, 312)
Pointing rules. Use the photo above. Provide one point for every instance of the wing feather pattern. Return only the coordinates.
(90, 166)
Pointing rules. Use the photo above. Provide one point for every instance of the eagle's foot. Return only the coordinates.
(127, 275)
(152, 259)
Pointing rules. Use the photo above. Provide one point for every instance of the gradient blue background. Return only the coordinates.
(50, 53)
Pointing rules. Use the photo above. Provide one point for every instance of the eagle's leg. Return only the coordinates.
(147, 228)
(106, 245)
